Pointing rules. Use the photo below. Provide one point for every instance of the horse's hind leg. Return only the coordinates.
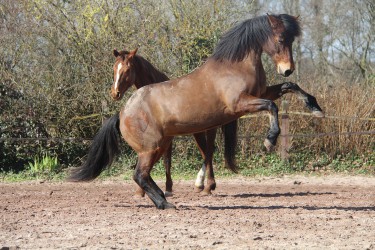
(206, 145)
(143, 179)
(210, 147)
(139, 192)
(167, 158)
(276, 91)
(200, 139)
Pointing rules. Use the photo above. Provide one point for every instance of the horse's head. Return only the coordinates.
(284, 29)
(123, 73)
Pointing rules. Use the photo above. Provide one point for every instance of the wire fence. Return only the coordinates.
(331, 133)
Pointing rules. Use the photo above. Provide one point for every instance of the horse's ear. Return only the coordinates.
(131, 56)
(116, 53)
(297, 17)
(274, 21)
(132, 53)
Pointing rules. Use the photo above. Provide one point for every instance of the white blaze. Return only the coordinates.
(119, 67)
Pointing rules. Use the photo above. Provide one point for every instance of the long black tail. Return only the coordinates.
(102, 152)
(230, 143)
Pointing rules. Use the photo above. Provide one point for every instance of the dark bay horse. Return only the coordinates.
(229, 84)
(131, 69)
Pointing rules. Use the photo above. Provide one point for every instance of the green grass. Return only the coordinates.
(185, 167)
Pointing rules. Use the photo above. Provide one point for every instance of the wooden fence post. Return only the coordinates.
(284, 145)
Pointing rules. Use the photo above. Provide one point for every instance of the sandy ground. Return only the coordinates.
(335, 212)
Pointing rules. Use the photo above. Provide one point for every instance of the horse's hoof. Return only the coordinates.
(198, 189)
(167, 205)
(139, 195)
(168, 194)
(318, 114)
(269, 146)
(206, 192)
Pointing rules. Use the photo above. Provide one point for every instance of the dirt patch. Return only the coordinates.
(291, 212)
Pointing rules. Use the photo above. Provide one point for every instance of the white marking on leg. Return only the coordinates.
(271, 118)
(119, 67)
(199, 182)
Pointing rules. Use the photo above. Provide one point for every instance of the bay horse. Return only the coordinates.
(231, 83)
(131, 69)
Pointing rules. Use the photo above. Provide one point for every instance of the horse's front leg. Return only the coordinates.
(276, 91)
(251, 104)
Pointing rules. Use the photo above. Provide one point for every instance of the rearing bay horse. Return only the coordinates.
(131, 69)
(231, 83)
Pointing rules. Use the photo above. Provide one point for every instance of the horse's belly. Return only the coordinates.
(194, 125)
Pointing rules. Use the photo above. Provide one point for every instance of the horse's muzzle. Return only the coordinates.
(116, 95)
(288, 73)
(285, 70)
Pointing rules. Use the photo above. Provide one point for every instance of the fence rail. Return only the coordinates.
(285, 135)
(349, 133)
(309, 114)
(371, 132)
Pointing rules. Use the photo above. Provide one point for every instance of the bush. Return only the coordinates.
(56, 70)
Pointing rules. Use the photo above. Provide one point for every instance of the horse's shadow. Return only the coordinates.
(274, 195)
(312, 208)
(277, 207)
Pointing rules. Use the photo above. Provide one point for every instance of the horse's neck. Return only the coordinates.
(256, 61)
(142, 78)
(253, 68)
(146, 76)
(253, 63)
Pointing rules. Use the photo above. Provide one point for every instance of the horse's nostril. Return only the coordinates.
(288, 72)
(118, 94)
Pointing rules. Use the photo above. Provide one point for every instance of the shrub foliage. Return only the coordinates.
(56, 71)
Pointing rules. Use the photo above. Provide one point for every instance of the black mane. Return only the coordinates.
(250, 35)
